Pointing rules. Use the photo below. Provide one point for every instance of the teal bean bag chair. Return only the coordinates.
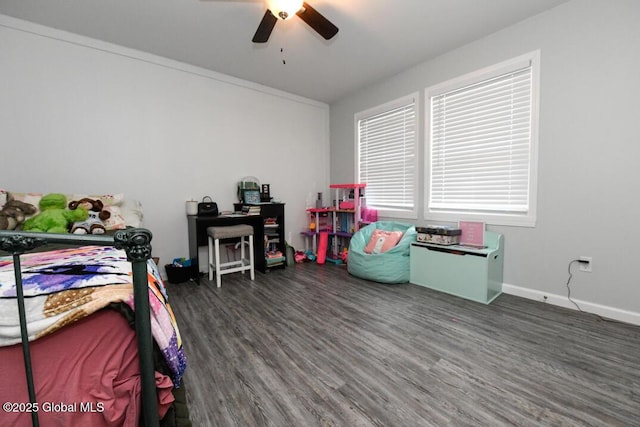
(391, 266)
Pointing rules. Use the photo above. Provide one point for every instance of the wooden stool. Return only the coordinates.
(229, 232)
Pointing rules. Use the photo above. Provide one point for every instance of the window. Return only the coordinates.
(482, 145)
(386, 157)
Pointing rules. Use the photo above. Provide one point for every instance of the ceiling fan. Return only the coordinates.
(285, 9)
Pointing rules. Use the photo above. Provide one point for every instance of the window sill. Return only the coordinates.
(488, 218)
(393, 214)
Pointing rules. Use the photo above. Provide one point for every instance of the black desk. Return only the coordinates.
(198, 234)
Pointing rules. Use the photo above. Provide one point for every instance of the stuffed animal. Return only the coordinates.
(13, 214)
(54, 217)
(94, 223)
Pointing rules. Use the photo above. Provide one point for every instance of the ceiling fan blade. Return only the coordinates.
(315, 20)
(264, 29)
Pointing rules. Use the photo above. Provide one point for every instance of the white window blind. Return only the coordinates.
(480, 145)
(387, 156)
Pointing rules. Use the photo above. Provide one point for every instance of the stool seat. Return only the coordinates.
(230, 231)
(217, 233)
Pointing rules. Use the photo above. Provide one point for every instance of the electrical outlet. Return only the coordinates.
(586, 263)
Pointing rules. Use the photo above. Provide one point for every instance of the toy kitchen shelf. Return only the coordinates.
(340, 220)
(467, 272)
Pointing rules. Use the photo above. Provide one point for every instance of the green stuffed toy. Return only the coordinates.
(54, 217)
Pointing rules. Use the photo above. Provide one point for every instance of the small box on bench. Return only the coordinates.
(440, 235)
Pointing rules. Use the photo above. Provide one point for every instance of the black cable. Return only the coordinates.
(569, 280)
(574, 303)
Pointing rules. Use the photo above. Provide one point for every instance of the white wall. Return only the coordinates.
(78, 115)
(588, 198)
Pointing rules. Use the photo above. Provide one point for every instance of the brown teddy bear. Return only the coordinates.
(94, 224)
(13, 214)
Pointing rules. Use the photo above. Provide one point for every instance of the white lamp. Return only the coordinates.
(284, 9)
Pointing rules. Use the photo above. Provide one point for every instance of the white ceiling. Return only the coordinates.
(377, 38)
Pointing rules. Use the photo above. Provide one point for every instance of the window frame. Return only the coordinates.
(414, 99)
(526, 219)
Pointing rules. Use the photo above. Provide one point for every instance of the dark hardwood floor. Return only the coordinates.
(313, 346)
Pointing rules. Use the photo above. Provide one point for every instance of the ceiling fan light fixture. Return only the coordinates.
(284, 9)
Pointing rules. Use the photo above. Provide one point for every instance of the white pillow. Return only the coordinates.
(131, 211)
(107, 199)
(111, 202)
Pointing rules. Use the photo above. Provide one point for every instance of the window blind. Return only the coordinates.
(481, 145)
(387, 157)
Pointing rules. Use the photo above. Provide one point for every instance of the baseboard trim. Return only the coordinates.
(562, 301)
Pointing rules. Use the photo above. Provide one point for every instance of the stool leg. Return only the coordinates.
(253, 274)
(210, 258)
(217, 244)
(242, 253)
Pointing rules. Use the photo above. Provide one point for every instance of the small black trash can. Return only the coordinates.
(181, 274)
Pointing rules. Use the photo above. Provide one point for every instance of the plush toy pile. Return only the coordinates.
(13, 214)
(54, 217)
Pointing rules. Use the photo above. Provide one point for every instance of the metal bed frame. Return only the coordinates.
(137, 244)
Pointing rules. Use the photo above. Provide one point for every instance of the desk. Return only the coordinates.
(198, 234)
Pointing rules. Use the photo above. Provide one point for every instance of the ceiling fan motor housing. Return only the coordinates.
(284, 8)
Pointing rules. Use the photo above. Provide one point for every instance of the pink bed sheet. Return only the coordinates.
(86, 374)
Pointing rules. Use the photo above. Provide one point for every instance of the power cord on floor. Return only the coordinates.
(576, 304)
(568, 281)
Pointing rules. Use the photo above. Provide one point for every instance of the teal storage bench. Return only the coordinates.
(467, 272)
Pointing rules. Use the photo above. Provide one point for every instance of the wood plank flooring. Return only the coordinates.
(313, 346)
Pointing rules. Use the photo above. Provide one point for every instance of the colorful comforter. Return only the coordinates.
(65, 285)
